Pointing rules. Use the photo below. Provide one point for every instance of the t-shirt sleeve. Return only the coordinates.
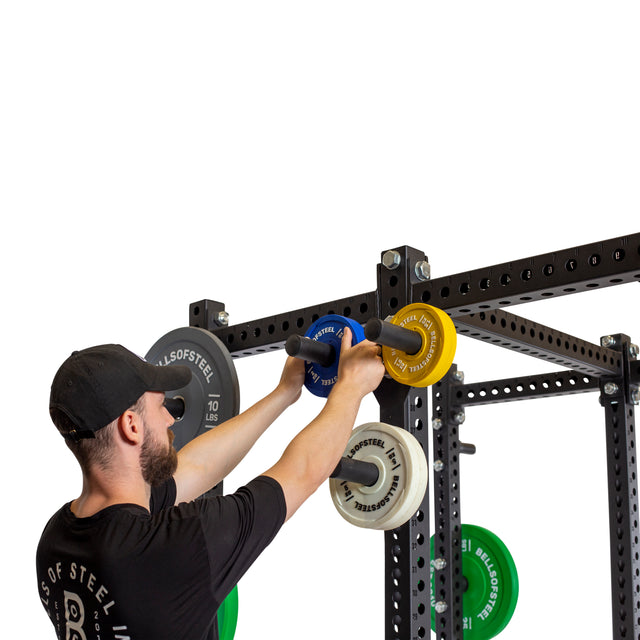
(163, 496)
(238, 527)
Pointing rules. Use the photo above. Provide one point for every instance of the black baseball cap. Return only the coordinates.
(96, 385)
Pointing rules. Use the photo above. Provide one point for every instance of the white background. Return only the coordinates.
(264, 154)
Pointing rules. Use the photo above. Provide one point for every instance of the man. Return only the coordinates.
(135, 555)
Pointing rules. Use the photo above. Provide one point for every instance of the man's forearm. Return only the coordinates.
(239, 434)
(206, 460)
(313, 454)
(321, 444)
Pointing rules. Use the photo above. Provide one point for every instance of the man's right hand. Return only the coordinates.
(360, 368)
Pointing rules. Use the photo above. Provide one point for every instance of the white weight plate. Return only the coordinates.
(402, 483)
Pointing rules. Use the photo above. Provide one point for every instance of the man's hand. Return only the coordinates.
(292, 379)
(360, 368)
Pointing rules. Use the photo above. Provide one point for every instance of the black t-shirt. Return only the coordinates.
(125, 573)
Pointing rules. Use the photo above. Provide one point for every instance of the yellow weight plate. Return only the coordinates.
(439, 339)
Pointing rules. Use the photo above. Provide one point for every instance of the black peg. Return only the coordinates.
(175, 406)
(321, 353)
(392, 335)
(467, 448)
(358, 471)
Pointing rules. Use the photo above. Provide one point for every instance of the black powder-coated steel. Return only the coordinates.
(448, 580)
(623, 498)
(476, 300)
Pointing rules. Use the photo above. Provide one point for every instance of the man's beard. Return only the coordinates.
(158, 461)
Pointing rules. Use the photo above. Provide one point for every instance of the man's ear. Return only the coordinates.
(130, 427)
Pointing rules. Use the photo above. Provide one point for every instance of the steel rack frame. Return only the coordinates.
(476, 301)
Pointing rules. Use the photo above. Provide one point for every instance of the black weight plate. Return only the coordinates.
(213, 395)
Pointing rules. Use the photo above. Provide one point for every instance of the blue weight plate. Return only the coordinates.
(330, 329)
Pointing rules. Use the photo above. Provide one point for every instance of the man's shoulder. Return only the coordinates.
(163, 496)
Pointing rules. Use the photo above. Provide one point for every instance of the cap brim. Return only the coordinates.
(171, 377)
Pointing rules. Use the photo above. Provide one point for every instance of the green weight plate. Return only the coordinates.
(228, 616)
(491, 593)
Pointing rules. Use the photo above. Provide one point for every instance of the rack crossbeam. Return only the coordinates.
(584, 268)
(271, 333)
(545, 385)
(524, 336)
(602, 264)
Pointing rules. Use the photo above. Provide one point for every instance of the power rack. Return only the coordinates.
(476, 301)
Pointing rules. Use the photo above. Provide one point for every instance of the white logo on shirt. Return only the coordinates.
(82, 614)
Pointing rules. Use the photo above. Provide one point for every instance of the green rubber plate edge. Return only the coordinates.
(228, 616)
(501, 555)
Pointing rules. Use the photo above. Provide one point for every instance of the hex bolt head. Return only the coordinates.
(439, 564)
(423, 270)
(441, 606)
(635, 396)
(438, 465)
(436, 423)
(607, 341)
(222, 318)
(459, 417)
(610, 388)
(391, 259)
(634, 350)
(458, 376)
